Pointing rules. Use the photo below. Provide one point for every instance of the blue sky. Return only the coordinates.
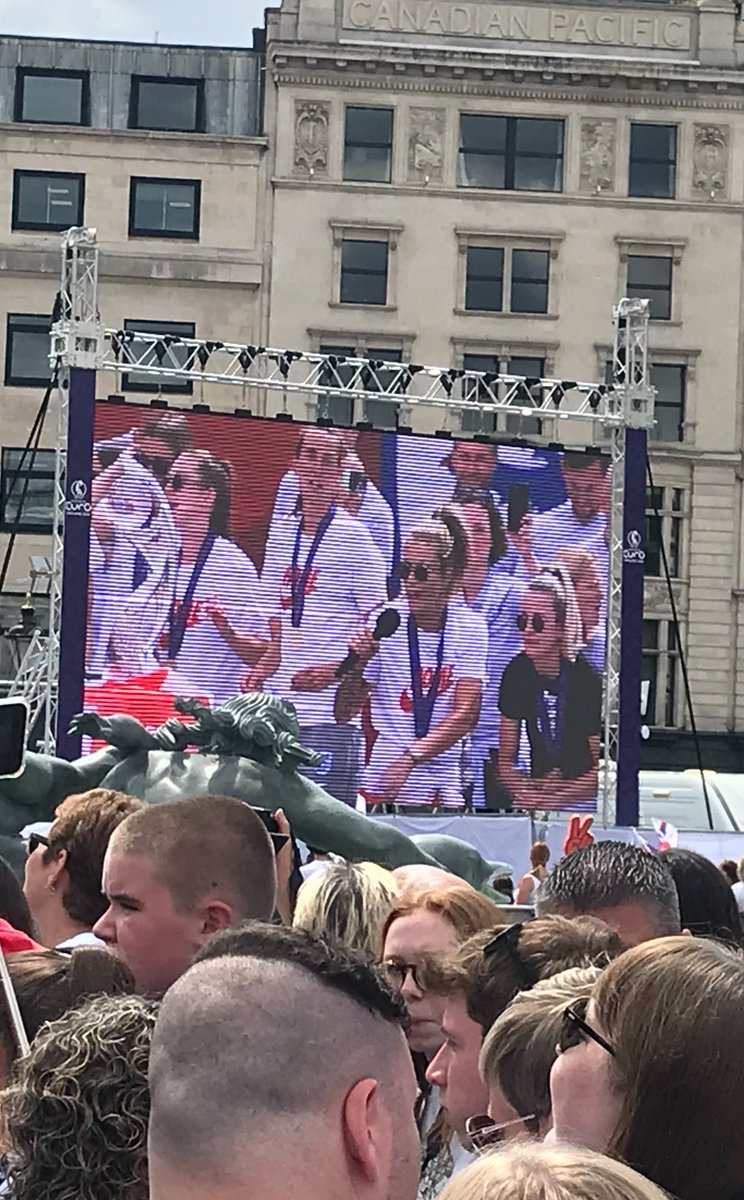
(191, 22)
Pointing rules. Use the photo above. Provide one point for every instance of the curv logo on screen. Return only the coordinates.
(78, 505)
(633, 551)
(78, 489)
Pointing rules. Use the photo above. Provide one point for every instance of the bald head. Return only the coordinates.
(418, 877)
(259, 1055)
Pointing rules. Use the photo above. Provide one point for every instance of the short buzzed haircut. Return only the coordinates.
(269, 1025)
(607, 874)
(206, 845)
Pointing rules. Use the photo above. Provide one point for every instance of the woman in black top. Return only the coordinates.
(556, 696)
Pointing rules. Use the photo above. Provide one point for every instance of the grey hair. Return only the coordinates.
(606, 874)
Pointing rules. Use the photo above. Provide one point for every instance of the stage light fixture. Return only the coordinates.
(200, 408)
(285, 417)
(116, 398)
(158, 402)
(594, 397)
(242, 412)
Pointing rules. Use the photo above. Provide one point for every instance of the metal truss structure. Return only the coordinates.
(79, 340)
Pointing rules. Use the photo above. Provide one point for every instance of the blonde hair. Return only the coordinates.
(348, 903)
(556, 581)
(519, 1048)
(536, 1172)
(578, 561)
(740, 868)
(447, 539)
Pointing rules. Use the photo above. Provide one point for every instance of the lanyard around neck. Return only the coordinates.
(179, 616)
(299, 579)
(423, 702)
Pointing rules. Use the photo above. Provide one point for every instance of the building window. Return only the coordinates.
(339, 409)
(484, 282)
(475, 421)
(342, 410)
(52, 97)
(368, 144)
(138, 381)
(660, 673)
(173, 105)
(650, 278)
(511, 153)
(665, 514)
(164, 208)
(530, 270)
(383, 414)
(653, 161)
(669, 410)
(27, 348)
(27, 490)
(47, 200)
(364, 272)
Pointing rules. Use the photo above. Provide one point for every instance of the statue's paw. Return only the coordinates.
(87, 724)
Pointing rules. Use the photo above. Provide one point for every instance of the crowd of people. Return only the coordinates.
(397, 1036)
(486, 684)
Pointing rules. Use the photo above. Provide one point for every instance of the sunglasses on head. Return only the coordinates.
(155, 463)
(537, 622)
(35, 840)
(575, 1030)
(507, 939)
(419, 571)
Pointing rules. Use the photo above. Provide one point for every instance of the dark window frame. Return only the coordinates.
(17, 474)
(662, 404)
(641, 160)
(165, 80)
(179, 235)
(358, 272)
(10, 379)
(16, 222)
(24, 73)
(154, 384)
(648, 291)
(511, 155)
(472, 277)
(529, 281)
(388, 146)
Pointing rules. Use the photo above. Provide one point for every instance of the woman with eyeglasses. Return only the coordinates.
(425, 681)
(214, 625)
(550, 703)
(651, 1071)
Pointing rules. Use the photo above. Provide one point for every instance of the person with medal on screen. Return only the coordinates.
(550, 702)
(323, 576)
(214, 624)
(425, 680)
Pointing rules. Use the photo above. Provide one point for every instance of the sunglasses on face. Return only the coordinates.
(395, 972)
(419, 571)
(575, 1030)
(537, 622)
(484, 1134)
(153, 462)
(35, 840)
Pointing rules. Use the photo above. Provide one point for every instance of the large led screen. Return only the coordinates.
(435, 610)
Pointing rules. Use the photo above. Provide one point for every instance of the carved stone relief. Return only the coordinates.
(426, 145)
(598, 147)
(710, 158)
(311, 138)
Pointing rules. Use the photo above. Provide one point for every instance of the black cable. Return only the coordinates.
(29, 450)
(678, 640)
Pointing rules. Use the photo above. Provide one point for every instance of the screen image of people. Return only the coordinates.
(433, 609)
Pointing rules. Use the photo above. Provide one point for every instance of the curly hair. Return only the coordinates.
(76, 1115)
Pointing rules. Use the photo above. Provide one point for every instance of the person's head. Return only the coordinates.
(158, 441)
(418, 877)
(481, 523)
(536, 1172)
(727, 868)
(707, 906)
(317, 462)
(494, 969)
(304, 1082)
(198, 491)
(583, 571)
(549, 620)
(348, 903)
(63, 877)
(431, 567)
(519, 1050)
(174, 874)
(586, 478)
(454, 1067)
(539, 854)
(14, 907)
(665, 1091)
(473, 464)
(629, 888)
(425, 927)
(76, 1115)
(740, 869)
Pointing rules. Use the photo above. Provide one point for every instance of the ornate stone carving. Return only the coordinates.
(598, 145)
(710, 157)
(426, 145)
(311, 138)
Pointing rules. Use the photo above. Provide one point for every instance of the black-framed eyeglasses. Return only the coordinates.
(508, 939)
(537, 621)
(484, 1134)
(419, 571)
(575, 1029)
(154, 462)
(35, 840)
(395, 972)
